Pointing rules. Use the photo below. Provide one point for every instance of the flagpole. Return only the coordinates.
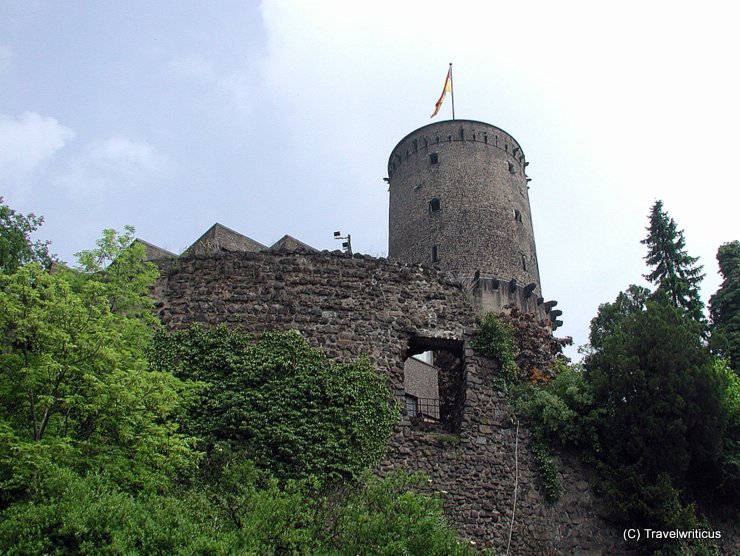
(452, 92)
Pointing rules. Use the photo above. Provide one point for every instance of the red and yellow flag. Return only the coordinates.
(445, 90)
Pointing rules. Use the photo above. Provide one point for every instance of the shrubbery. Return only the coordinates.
(200, 442)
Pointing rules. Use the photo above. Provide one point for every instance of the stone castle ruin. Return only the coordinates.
(461, 243)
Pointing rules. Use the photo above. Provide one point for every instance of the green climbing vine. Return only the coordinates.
(495, 339)
(547, 468)
(529, 358)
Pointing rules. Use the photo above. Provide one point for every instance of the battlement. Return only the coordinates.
(459, 199)
(426, 139)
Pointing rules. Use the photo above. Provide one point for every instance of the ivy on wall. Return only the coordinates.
(527, 354)
(281, 402)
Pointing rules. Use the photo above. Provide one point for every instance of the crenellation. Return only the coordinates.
(476, 185)
(410, 145)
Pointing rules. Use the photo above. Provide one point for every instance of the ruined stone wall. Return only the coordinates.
(363, 306)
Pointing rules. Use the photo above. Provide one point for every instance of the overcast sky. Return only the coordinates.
(278, 117)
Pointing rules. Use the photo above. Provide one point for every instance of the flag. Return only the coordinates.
(445, 89)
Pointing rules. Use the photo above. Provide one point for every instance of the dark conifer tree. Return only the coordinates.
(724, 305)
(675, 273)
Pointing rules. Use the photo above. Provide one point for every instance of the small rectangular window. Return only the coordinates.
(435, 254)
(434, 158)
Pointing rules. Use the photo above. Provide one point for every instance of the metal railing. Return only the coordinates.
(422, 408)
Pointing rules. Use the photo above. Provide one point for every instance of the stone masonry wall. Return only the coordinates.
(356, 306)
(481, 220)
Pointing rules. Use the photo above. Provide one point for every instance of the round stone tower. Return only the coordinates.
(459, 199)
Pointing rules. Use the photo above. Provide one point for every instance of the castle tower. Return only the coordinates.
(459, 199)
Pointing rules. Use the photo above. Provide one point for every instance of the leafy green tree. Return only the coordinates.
(724, 305)
(561, 412)
(117, 265)
(237, 515)
(654, 377)
(610, 315)
(75, 391)
(388, 517)
(729, 490)
(16, 246)
(674, 272)
(291, 410)
(663, 414)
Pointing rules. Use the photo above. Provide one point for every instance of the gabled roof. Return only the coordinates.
(154, 253)
(289, 243)
(219, 238)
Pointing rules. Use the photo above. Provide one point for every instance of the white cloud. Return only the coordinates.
(125, 156)
(116, 162)
(232, 86)
(27, 142)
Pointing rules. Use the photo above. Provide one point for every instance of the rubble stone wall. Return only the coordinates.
(361, 306)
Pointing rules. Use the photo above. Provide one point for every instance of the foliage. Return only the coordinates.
(495, 339)
(655, 413)
(547, 469)
(664, 424)
(729, 489)
(290, 409)
(117, 265)
(610, 315)
(528, 354)
(16, 246)
(724, 305)
(92, 516)
(523, 346)
(655, 380)
(387, 517)
(560, 412)
(652, 503)
(74, 388)
(240, 513)
(674, 272)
